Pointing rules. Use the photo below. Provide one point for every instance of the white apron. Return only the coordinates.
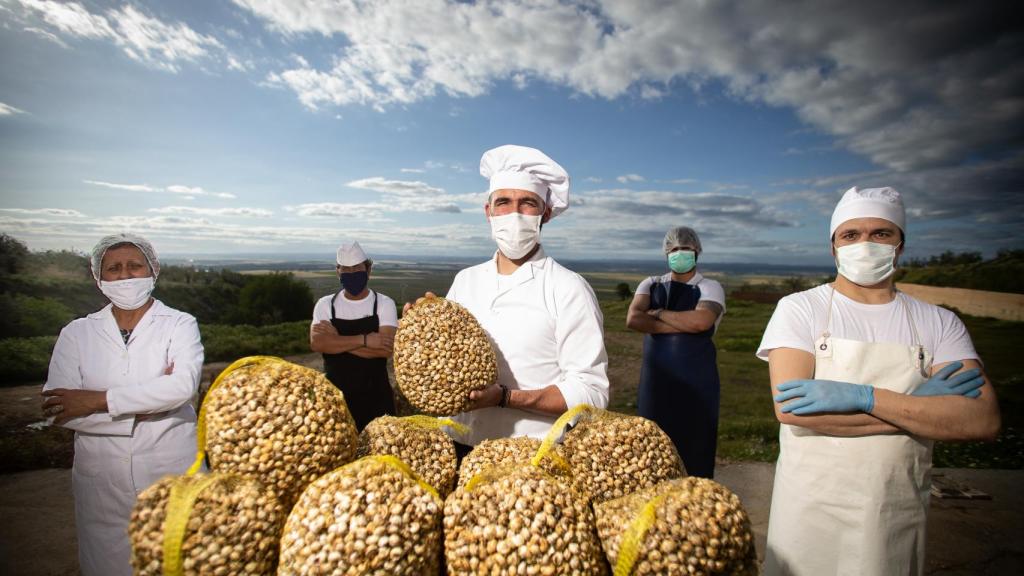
(853, 506)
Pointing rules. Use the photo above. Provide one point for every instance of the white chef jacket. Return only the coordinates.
(116, 456)
(546, 328)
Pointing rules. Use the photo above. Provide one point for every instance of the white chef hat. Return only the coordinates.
(108, 242)
(524, 168)
(351, 254)
(884, 203)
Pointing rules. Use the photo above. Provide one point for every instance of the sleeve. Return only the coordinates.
(713, 291)
(954, 342)
(387, 312)
(453, 291)
(167, 391)
(65, 372)
(644, 288)
(579, 337)
(790, 327)
(322, 310)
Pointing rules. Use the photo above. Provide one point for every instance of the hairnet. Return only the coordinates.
(107, 242)
(681, 236)
(885, 203)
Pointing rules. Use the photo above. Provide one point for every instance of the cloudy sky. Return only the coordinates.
(286, 126)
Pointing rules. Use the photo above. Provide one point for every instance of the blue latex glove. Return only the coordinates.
(815, 396)
(944, 383)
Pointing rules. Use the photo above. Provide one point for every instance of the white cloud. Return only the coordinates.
(128, 187)
(594, 179)
(46, 35)
(627, 178)
(413, 170)
(8, 110)
(186, 192)
(909, 85)
(244, 212)
(405, 188)
(45, 211)
(140, 36)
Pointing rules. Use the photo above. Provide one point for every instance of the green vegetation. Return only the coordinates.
(37, 305)
(1004, 273)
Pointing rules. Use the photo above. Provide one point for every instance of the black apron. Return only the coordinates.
(679, 387)
(363, 381)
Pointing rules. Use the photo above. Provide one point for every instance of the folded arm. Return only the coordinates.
(787, 364)
(700, 319)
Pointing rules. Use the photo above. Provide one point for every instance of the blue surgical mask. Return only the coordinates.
(354, 282)
(682, 261)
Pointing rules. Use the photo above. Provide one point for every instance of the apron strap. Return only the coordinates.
(335, 317)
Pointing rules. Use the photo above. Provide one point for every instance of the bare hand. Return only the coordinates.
(324, 327)
(490, 396)
(418, 300)
(65, 404)
(656, 312)
(169, 370)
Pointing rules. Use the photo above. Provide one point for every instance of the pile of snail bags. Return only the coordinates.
(206, 524)
(279, 422)
(611, 455)
(502, 452)
(419, 441)
(519, 519)
(371, 517)
(441, 355)
(687, 526)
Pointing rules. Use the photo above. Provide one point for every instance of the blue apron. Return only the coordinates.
(679, 388)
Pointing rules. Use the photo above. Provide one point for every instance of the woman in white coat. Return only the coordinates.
(122, 378)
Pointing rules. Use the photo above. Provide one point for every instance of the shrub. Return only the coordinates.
(25, 359)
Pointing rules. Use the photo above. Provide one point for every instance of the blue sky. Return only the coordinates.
(273, 126)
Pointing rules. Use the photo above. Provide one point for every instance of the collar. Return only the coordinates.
(157, 309)
(538, 260)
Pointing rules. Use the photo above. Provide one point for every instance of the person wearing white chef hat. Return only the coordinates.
(543, 319)
(865, 379)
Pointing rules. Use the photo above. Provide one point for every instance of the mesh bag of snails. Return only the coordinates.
(419, 441)
(687, 526)
(519, 519)
(371, 517)
(279, 422)
(506, 451)
(206, 524)
(611, 455)
(441, 355)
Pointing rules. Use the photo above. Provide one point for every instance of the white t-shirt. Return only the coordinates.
(710, 289)
(800, 318)
(345, 309)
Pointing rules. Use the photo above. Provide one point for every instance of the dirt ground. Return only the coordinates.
(965, 537)
(37, 533)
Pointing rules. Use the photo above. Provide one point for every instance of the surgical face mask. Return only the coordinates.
(516, 234)
(128, 294)
(866, 263)
(354, 282)
(682, 261)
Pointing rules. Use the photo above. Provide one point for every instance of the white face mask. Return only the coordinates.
(866, 263)
(128, 294)
(515, 233)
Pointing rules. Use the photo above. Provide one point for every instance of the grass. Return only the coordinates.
(747, 427)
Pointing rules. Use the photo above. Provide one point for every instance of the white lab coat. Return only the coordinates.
(116, 456)
(546, 328)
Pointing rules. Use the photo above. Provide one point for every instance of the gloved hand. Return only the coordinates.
(943, 383)
(815, 396)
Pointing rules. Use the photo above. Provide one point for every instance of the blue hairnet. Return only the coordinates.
(108, 242)
(681, 236)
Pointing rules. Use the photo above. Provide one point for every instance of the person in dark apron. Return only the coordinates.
(679, 385)
(356, 350)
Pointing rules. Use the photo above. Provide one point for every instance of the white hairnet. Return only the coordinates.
(885, 203)
(681, 236)
(108, 242)
(524, 168)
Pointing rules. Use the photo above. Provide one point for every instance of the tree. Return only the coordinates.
(622, 290)
(13, 254)
(274, 298)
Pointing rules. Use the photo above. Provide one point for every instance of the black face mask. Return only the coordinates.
(354, 282)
